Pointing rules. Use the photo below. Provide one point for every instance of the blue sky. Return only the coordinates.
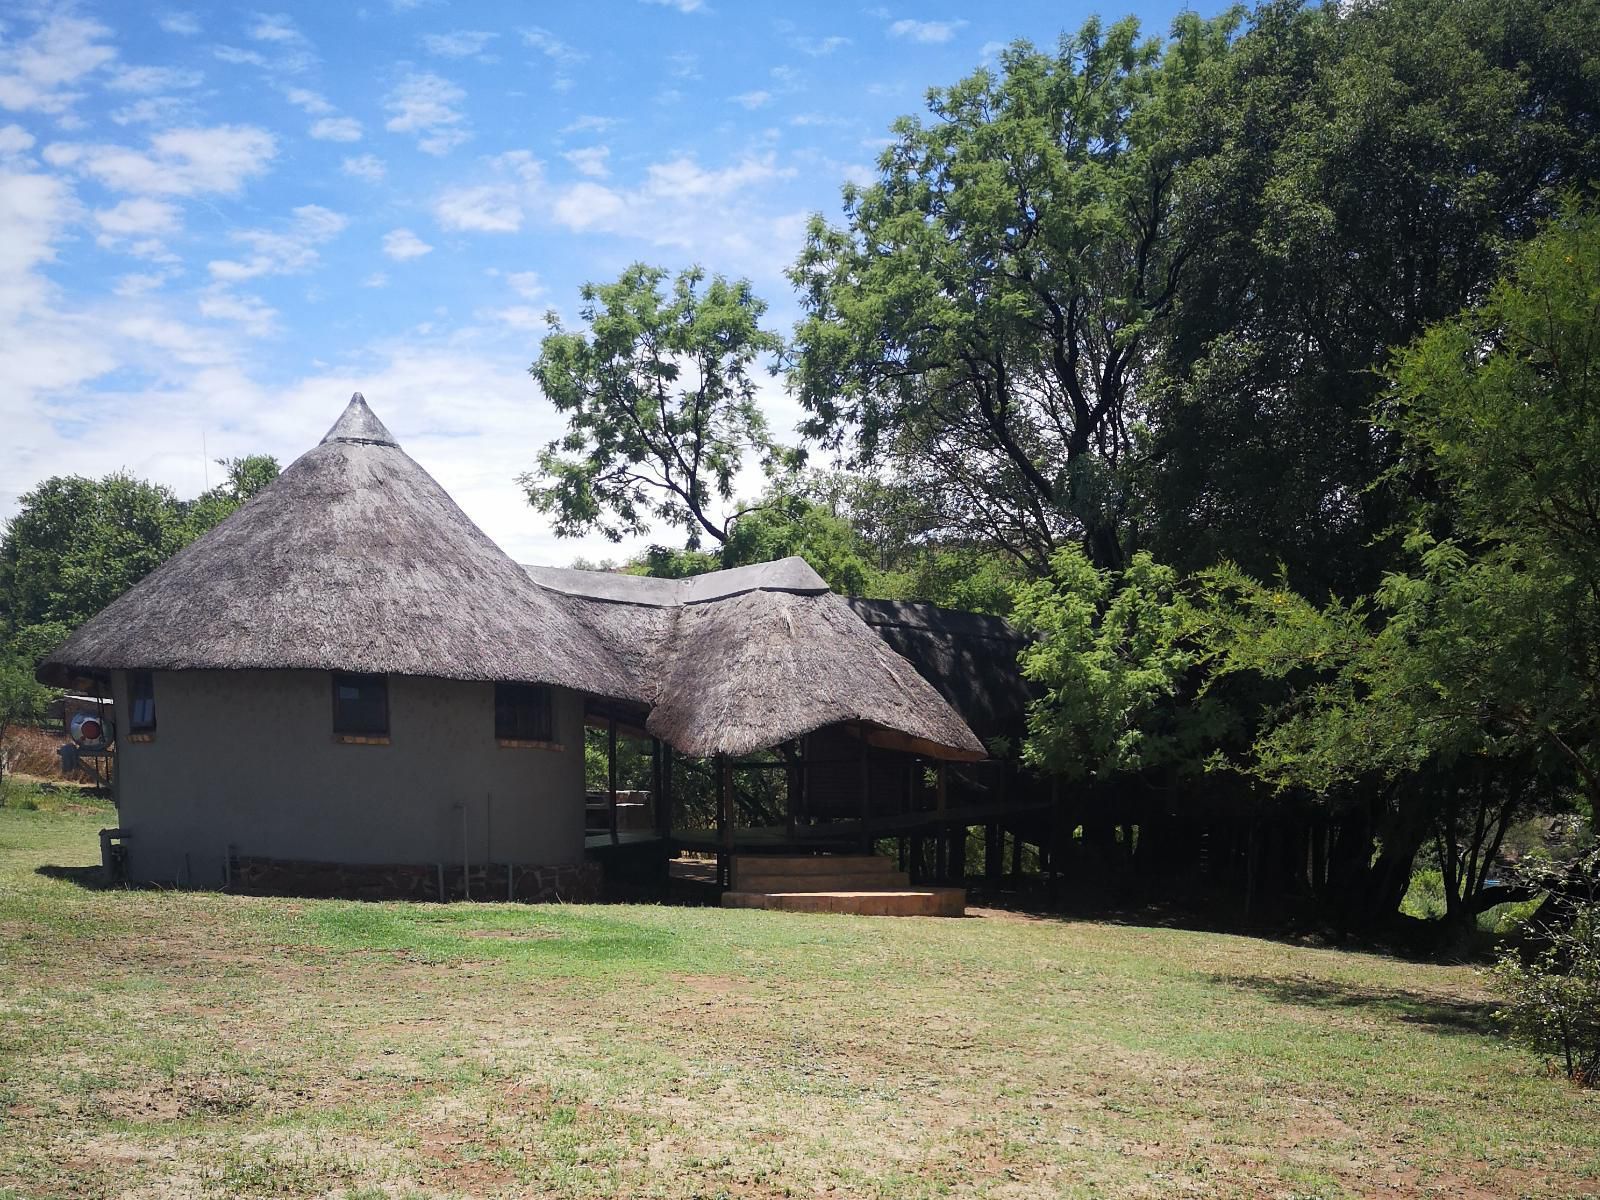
(218, 222)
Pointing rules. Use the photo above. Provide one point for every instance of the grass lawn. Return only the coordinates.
(192, 1044)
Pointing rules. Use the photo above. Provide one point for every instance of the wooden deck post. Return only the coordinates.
(661, 770)
(724, 821)
(866, 791)
(611, 775)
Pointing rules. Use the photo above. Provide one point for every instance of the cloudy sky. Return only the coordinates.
(218, 222)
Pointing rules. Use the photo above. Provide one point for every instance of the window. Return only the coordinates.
(523, 713)
(361, 706)
(141, 702)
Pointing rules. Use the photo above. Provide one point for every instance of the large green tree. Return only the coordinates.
(984, 318)
(660, 399)
(76, 544)
(1468, 687)
(1353, 173)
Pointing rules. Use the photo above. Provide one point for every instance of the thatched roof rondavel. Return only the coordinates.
(355, 559)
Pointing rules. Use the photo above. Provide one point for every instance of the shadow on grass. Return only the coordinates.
(1459, 1017)
(91, 878)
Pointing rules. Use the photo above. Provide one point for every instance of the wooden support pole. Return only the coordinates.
(658, 789)
(724, 821)
(611, 775)
(792, 786)
(1016, 858)
(866, 792)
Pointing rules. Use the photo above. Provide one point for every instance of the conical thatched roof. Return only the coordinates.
(353, 559)
(739, 660)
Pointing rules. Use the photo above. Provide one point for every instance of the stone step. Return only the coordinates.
(910, 902)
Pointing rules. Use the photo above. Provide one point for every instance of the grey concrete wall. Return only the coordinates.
(248, 759)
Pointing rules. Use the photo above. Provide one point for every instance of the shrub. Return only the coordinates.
(1553, 990)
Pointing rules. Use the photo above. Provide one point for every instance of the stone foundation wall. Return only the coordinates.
(572, 882)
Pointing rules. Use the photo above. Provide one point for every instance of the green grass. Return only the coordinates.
(160, 1044)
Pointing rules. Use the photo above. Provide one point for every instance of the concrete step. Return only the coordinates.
(828, 872)
(910, 902)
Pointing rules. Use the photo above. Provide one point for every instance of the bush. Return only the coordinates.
(1553, 992)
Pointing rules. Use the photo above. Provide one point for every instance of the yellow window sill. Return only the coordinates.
(354, 739)
(141, 737)
(524, 744)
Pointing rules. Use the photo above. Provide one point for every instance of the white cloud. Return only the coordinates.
(145, 80)
(34, 209)
(522, 317)
(818, 46)
(927, 32)
(179, 162)
(683, 6)
(367, 167)
(497, 207)
(753, 100)
(275, 27)
(591, 124)
(36, 71)
(239, 58)
(463, 43)
(377, 279)
(140, 283)
(425, 104)
(139, 218)
(814, 120)
(256, 316)
(184, 24)
(490, 208)
(152, 110)
(336, 129)
(402, 244)
(588, 206)
(551, 46)
(14, 139)
(590, 160)
(304, 98)
(684, 179)
(526, 284)
(287, 251)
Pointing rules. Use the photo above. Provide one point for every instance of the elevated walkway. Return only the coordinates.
(862, 884)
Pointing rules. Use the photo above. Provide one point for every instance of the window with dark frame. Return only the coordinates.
(523, 712)
(361, 705)
(141, 702)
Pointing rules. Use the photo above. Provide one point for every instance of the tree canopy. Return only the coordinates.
(660, 399)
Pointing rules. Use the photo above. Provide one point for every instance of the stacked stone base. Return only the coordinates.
(574, 883)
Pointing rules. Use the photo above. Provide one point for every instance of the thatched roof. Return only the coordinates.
(971, 658)
(354, 559)
(742, 659)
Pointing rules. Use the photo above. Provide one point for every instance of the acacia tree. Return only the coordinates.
(984, 317)
(660, 402)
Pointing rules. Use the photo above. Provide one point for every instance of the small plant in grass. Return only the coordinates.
(1553, 989)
